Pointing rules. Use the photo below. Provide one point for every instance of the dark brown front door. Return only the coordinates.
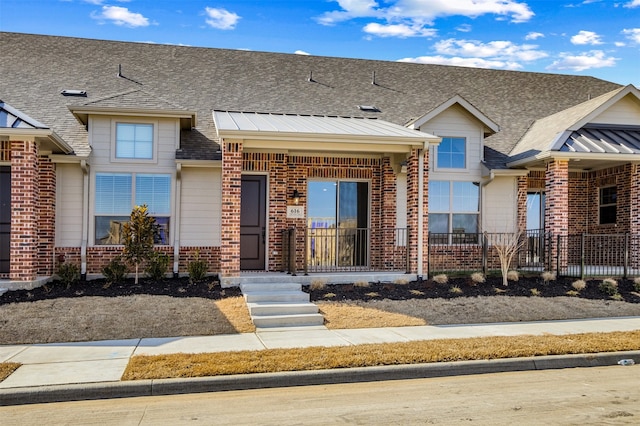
(253, 222)
(5, 218)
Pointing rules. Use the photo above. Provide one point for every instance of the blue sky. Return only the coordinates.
(586, 37)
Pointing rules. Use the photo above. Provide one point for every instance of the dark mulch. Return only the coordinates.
(491, 287)
(176, 287)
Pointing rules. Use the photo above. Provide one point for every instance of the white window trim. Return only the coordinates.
(92, 204)
(464, 169)
(114, 159)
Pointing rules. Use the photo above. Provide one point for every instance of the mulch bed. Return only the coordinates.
(491, 287)
(176, 287)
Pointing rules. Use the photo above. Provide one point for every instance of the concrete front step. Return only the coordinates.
(267, 321)
(263, 287)
(276, 296)
(269, 308)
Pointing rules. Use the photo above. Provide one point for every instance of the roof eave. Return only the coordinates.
(48, 134)
(82, 113)
(547, 155)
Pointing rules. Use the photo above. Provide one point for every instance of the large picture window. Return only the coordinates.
(608, 205)
(117, 193)
(454, 208)
(134, 141)
(452, 153)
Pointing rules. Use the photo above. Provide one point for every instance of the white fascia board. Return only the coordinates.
(629, 89)
(20, 133)
(199, 163)
(626, 158)
(80, 112)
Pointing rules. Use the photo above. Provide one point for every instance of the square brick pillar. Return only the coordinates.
(556, 212)
(46, 216)
(523, 184)
(634, 216)
(231, 191)
(414, 220)
(24, 211)
(388, 215)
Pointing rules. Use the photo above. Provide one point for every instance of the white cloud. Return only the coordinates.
(121, 16)
(301, 52)
(398, 30)
(586, 37)
(585, 61)
(620, 44)
(221, 19)
(632, 3)
(464, 28)
(495, 50)
(632, 34)
(533, 36)
(400, 15)
(464, 62)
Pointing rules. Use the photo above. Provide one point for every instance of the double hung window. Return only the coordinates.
(134, 141)
(454, 208)
(117, 193)
(608, 205)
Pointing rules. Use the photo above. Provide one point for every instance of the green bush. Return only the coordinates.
(69, 273)
(115, 270)
(609, 286)
(157, 265)
(197, 269)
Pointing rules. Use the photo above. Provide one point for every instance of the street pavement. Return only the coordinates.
(90, 370)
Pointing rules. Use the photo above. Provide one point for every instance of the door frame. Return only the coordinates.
(266, 218)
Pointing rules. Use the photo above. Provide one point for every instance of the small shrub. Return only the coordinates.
(362, 284)
(372, 294)
(636, 284)
(609, 286)
(513, 275)
(617, 297)
(548, 276)
(455, 290)
(401, 281)
(535, 292)
(441, 279)
(499, 290)
(329, 295)
(157, 265)
(572, 293)
(69, 273)
(477, 278)
(318, 285)
(416, 292)
(197, 268)
(579, 285)
(115, 271)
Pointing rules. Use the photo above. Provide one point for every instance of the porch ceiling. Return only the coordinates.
(312, 128)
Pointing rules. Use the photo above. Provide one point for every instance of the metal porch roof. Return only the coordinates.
(313, 125)
(614, 140)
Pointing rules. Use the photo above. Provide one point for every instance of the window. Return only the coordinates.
(116, 195)
(454, 208)
(452, 153)
(608, 205)
(134, 141)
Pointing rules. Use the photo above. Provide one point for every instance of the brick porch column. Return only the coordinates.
(387, 244)
(413, 219)
(231, 190)
(46, 216)
(634, 213)
(556, 212)
(523, 184)
(24, 211)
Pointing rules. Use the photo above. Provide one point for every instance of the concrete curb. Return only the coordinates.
(91, 391)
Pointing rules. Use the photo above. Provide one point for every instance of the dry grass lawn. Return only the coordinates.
(468, 310)
(6, 368)
(105, 318)
(274, 360)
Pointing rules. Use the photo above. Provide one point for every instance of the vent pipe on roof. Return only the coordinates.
(310, 79)
(373, 78)
(119, 75)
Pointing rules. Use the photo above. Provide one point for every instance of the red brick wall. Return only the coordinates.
(46, 216)
(230, 224)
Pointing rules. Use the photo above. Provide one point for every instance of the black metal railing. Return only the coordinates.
(589, 255)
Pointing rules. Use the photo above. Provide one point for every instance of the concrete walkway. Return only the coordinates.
(104, 362)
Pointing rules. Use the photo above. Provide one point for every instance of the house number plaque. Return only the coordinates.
(295, 212)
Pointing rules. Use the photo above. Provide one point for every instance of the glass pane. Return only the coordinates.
(353, 217)
(113, 193)
(155, 192)
(109, 229)
(438, 223)
(466, 197)
(134, 140)
(451, 153)
(465, 223)
(162, 236)
(534, 204)
(439, 196)
(608, 215)
(608, 195)
(321, 204)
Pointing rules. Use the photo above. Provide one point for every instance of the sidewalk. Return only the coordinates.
(103, 362)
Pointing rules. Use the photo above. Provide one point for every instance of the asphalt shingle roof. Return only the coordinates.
(35, 69)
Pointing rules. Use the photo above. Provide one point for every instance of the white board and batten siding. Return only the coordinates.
(201, 208)
(624, 112)
(69, 187)
(499, 207)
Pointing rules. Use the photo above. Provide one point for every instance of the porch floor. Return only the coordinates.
(328, 277)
